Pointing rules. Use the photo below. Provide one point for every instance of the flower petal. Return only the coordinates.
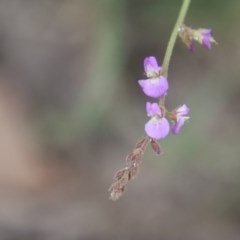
(155, 88)
(206, 42)
(177, 127)
(151, 66)
(157, 128)
(153, 109)
(183, 110)
(205, 31)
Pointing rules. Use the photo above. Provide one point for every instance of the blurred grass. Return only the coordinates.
(104, 71)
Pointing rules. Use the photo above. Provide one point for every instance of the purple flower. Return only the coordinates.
(155, 86)
(151, 67)
(157, 127)
(180, 118)
(202, 35)
(206, 37)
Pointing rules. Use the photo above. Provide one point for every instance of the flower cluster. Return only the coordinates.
(202, 35)
(156, 86)
(158, 127)
(161, 121)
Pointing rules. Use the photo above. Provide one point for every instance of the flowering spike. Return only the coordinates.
(156, 85)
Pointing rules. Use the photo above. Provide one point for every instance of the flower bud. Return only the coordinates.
(155, 146)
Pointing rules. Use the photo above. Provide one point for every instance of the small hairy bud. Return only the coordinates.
(155, 146)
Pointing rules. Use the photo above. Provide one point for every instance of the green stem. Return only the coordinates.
(172, 41)
(173, 37)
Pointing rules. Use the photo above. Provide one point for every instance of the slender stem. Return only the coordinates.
(173, 37)
(170, 46)
(172, 41)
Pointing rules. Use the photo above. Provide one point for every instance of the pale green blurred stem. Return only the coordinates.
(173, 37)
(172, 41)
(106, 64)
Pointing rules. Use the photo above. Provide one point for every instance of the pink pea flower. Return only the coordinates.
(190, 36)
(155, 86)
(180, 115)
(157, 127)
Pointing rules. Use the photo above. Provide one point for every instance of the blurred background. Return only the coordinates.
(71, 110)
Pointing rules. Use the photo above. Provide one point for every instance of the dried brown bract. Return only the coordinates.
(123, 176)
